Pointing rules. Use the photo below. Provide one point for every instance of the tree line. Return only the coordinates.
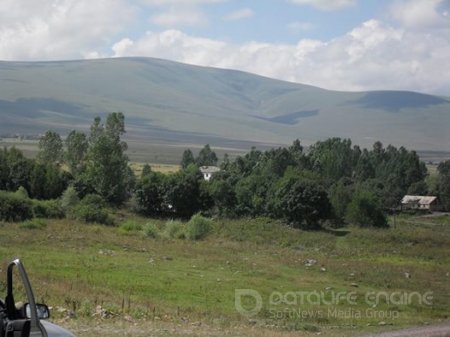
(332, 181)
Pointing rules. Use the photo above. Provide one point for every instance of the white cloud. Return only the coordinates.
(326, 5)
(175, 17)
(50, 29)
(120, 47)
(243, 13)
(371, 56)
(420, 14)
(173, 45)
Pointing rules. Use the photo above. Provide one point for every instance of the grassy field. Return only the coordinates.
(144, 151)
(141, 151)
(174, 287)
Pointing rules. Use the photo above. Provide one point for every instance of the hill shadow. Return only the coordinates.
(35, 107)
(394, 101)
(290, 118)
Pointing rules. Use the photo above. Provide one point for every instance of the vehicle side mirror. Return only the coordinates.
(43, 312)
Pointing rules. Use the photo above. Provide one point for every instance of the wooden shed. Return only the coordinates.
(419, 202)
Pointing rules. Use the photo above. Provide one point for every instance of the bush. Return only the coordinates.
(303, 203)
(130, 226)
(50, 209)
(22, 192)
(150, 230)
(92, 208)
(149, 194)
(365, 210)
(174, 230)
(14, 207)
(69, 198)
(34, 224)
(198, 227)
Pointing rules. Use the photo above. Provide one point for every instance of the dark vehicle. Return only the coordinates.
(25, 319)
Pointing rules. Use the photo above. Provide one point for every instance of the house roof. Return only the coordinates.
(209, 169)
(418, 199)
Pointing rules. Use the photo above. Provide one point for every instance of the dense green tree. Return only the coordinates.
(226, 162)
(183, 192)
(246, 165)
(340, 198)
(76, 150)
(38, 181)
(443, 184)
(418, 188)
(14, 207)
(303, 203)
(275, 162)
(4, 169)
(365, 210)
(50, 148)
(15, 170)
(187, 159)
(47, 181)
(334, 158)
(149, 195)
(206, 157)
(364, 167)
(223, 193)
(146, 170)
(251, 193)
(107, 168)
(397, 169)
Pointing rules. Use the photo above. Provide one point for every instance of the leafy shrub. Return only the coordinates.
(69, 198)
(198, 227)
(174, 230)
(149, 194)
(14, 207)
(50, 209)
(365, 211)
(150, 230)
(305, 203)
(130, 226)
(47, 181)
(34, 224)
(22, 192)
(92, 208)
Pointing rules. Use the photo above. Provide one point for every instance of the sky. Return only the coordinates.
(347, 45)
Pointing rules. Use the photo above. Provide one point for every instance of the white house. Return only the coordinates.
(209, 171)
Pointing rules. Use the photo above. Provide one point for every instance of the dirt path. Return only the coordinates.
(120, 328)
(429, 331)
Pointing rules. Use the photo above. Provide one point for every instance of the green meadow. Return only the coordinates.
(131, 283)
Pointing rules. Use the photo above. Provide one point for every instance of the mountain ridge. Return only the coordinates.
(172, 101)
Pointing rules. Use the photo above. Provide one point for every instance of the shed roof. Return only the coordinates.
(209, 169)
(418, 199)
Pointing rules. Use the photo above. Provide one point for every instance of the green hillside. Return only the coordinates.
(169, 101)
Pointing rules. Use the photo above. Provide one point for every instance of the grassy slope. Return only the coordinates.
(169, 284)
(170, 101)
